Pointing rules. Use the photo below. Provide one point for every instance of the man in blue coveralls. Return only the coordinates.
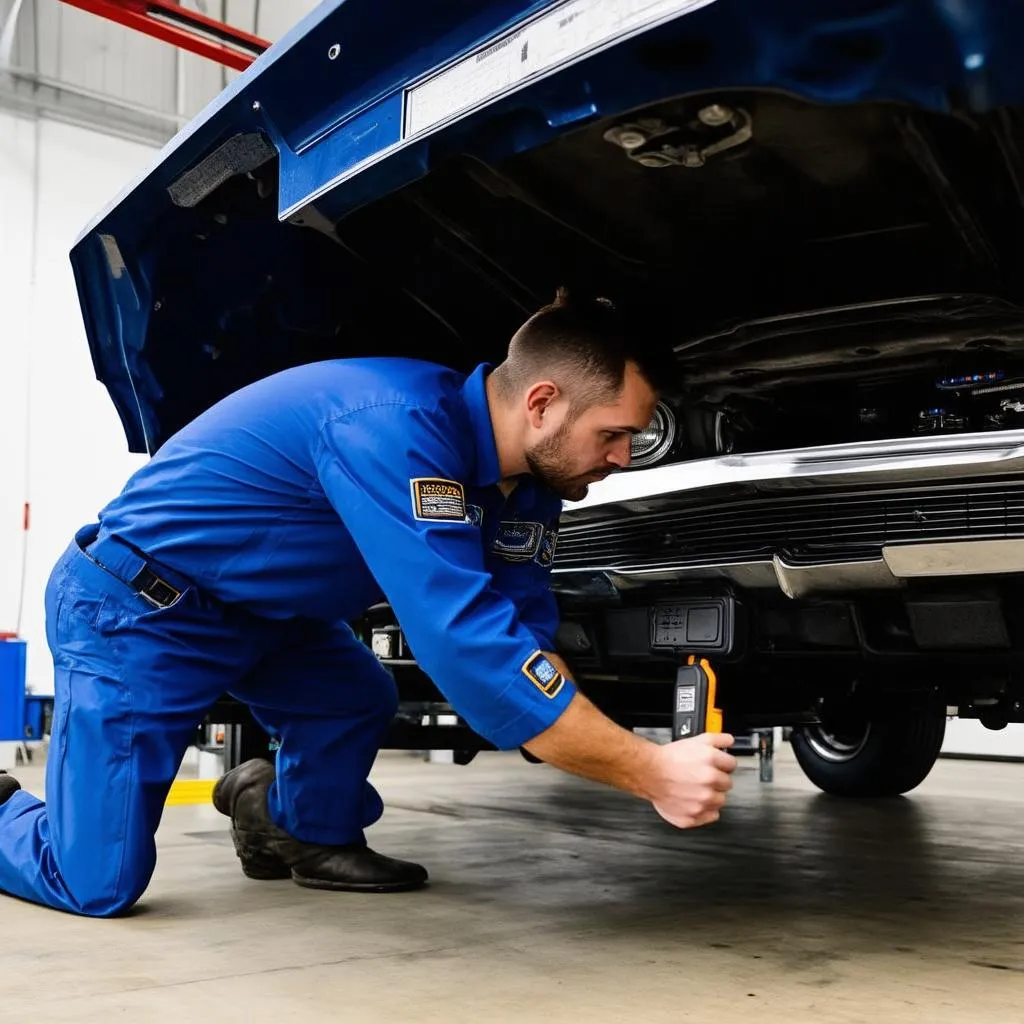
(234, 559)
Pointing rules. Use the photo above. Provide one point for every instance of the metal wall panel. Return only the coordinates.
(86, 70)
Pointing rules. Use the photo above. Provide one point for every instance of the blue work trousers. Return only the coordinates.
(133, 682)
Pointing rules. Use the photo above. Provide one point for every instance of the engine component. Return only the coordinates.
(970, 401)
(652, 142)
(969, 380)
(939, 421)
(708, 432)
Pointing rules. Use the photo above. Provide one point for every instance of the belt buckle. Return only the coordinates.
(157, 592)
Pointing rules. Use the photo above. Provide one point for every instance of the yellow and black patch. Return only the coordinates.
(543, 675)
(438, 500)
(548, 543)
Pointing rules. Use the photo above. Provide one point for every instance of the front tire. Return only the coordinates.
(871, 757)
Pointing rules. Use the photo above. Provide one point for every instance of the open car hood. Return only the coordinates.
(418, 178)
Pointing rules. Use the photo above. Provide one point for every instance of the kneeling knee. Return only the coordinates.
(106, 900)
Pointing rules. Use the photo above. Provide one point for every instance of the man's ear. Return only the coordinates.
(539, 399)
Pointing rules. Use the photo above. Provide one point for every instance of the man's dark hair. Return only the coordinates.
(583, 345)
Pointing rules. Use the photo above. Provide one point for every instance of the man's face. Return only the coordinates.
(569, 455)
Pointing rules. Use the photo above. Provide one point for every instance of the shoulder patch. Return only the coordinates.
(517, 541)
(543, 675)
(546, 553)
(438, 500)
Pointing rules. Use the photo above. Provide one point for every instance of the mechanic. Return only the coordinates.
(233, 560)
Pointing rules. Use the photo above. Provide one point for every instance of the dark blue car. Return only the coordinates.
(816, 208)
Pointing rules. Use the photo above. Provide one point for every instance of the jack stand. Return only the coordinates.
(766, 754)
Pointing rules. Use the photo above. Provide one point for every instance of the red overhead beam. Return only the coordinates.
(169, 22)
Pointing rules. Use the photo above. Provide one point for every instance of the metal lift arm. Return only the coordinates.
(167, 21)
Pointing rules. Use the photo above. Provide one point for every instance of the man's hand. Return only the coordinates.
(691, 778)
(686, 781)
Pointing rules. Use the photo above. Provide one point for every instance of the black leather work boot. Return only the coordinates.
(8, 787)
(267, 851)
(243, 792)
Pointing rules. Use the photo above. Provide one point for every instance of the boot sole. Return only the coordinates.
(319, 883)
(262, 874)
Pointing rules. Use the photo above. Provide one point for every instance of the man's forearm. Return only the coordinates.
(586, 742)
(686, 781)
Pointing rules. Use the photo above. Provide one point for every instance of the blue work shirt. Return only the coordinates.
(320, 490)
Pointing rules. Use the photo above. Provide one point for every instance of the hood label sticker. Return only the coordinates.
(532, 50)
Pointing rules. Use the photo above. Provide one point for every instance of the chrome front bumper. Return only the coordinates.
(911, 461)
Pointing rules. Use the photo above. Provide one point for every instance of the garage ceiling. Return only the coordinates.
(87, 70)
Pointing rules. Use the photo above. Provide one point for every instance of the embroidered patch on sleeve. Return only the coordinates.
(543, 675)
(546, 554)
(438, 500)
(516, 541)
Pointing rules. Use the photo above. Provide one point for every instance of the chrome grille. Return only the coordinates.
(828, 526)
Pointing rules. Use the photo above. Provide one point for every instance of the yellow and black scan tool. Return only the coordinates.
(694, 711)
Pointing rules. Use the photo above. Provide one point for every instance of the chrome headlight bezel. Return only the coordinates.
(663, 427)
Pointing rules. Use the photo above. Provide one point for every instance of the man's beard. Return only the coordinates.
(549, 462)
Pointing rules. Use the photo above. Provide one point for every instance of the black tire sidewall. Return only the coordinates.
(896, 757)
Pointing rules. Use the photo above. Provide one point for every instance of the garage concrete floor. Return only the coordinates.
(556, 900)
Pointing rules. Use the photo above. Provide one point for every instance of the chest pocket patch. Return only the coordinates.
(516, 541)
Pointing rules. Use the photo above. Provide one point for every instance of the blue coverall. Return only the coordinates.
(232, 563)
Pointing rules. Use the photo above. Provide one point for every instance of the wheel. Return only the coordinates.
(861, 757)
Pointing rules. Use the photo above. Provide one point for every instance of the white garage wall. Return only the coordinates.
(77, 455)
(17, 148)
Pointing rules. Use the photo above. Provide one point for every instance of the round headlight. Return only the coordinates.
(654, 442)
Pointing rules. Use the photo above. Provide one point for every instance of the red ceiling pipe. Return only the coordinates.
(167, 21)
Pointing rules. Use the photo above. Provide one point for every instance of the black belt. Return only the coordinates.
(132, 568)
(158, 592)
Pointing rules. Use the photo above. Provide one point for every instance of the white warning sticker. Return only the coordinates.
(563, 34)
(686, 699)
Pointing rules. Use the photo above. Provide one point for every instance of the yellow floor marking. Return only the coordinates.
(190, 791)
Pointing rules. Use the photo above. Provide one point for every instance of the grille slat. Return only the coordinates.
(803, 529)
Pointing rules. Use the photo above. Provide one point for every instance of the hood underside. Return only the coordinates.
(780, 203)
